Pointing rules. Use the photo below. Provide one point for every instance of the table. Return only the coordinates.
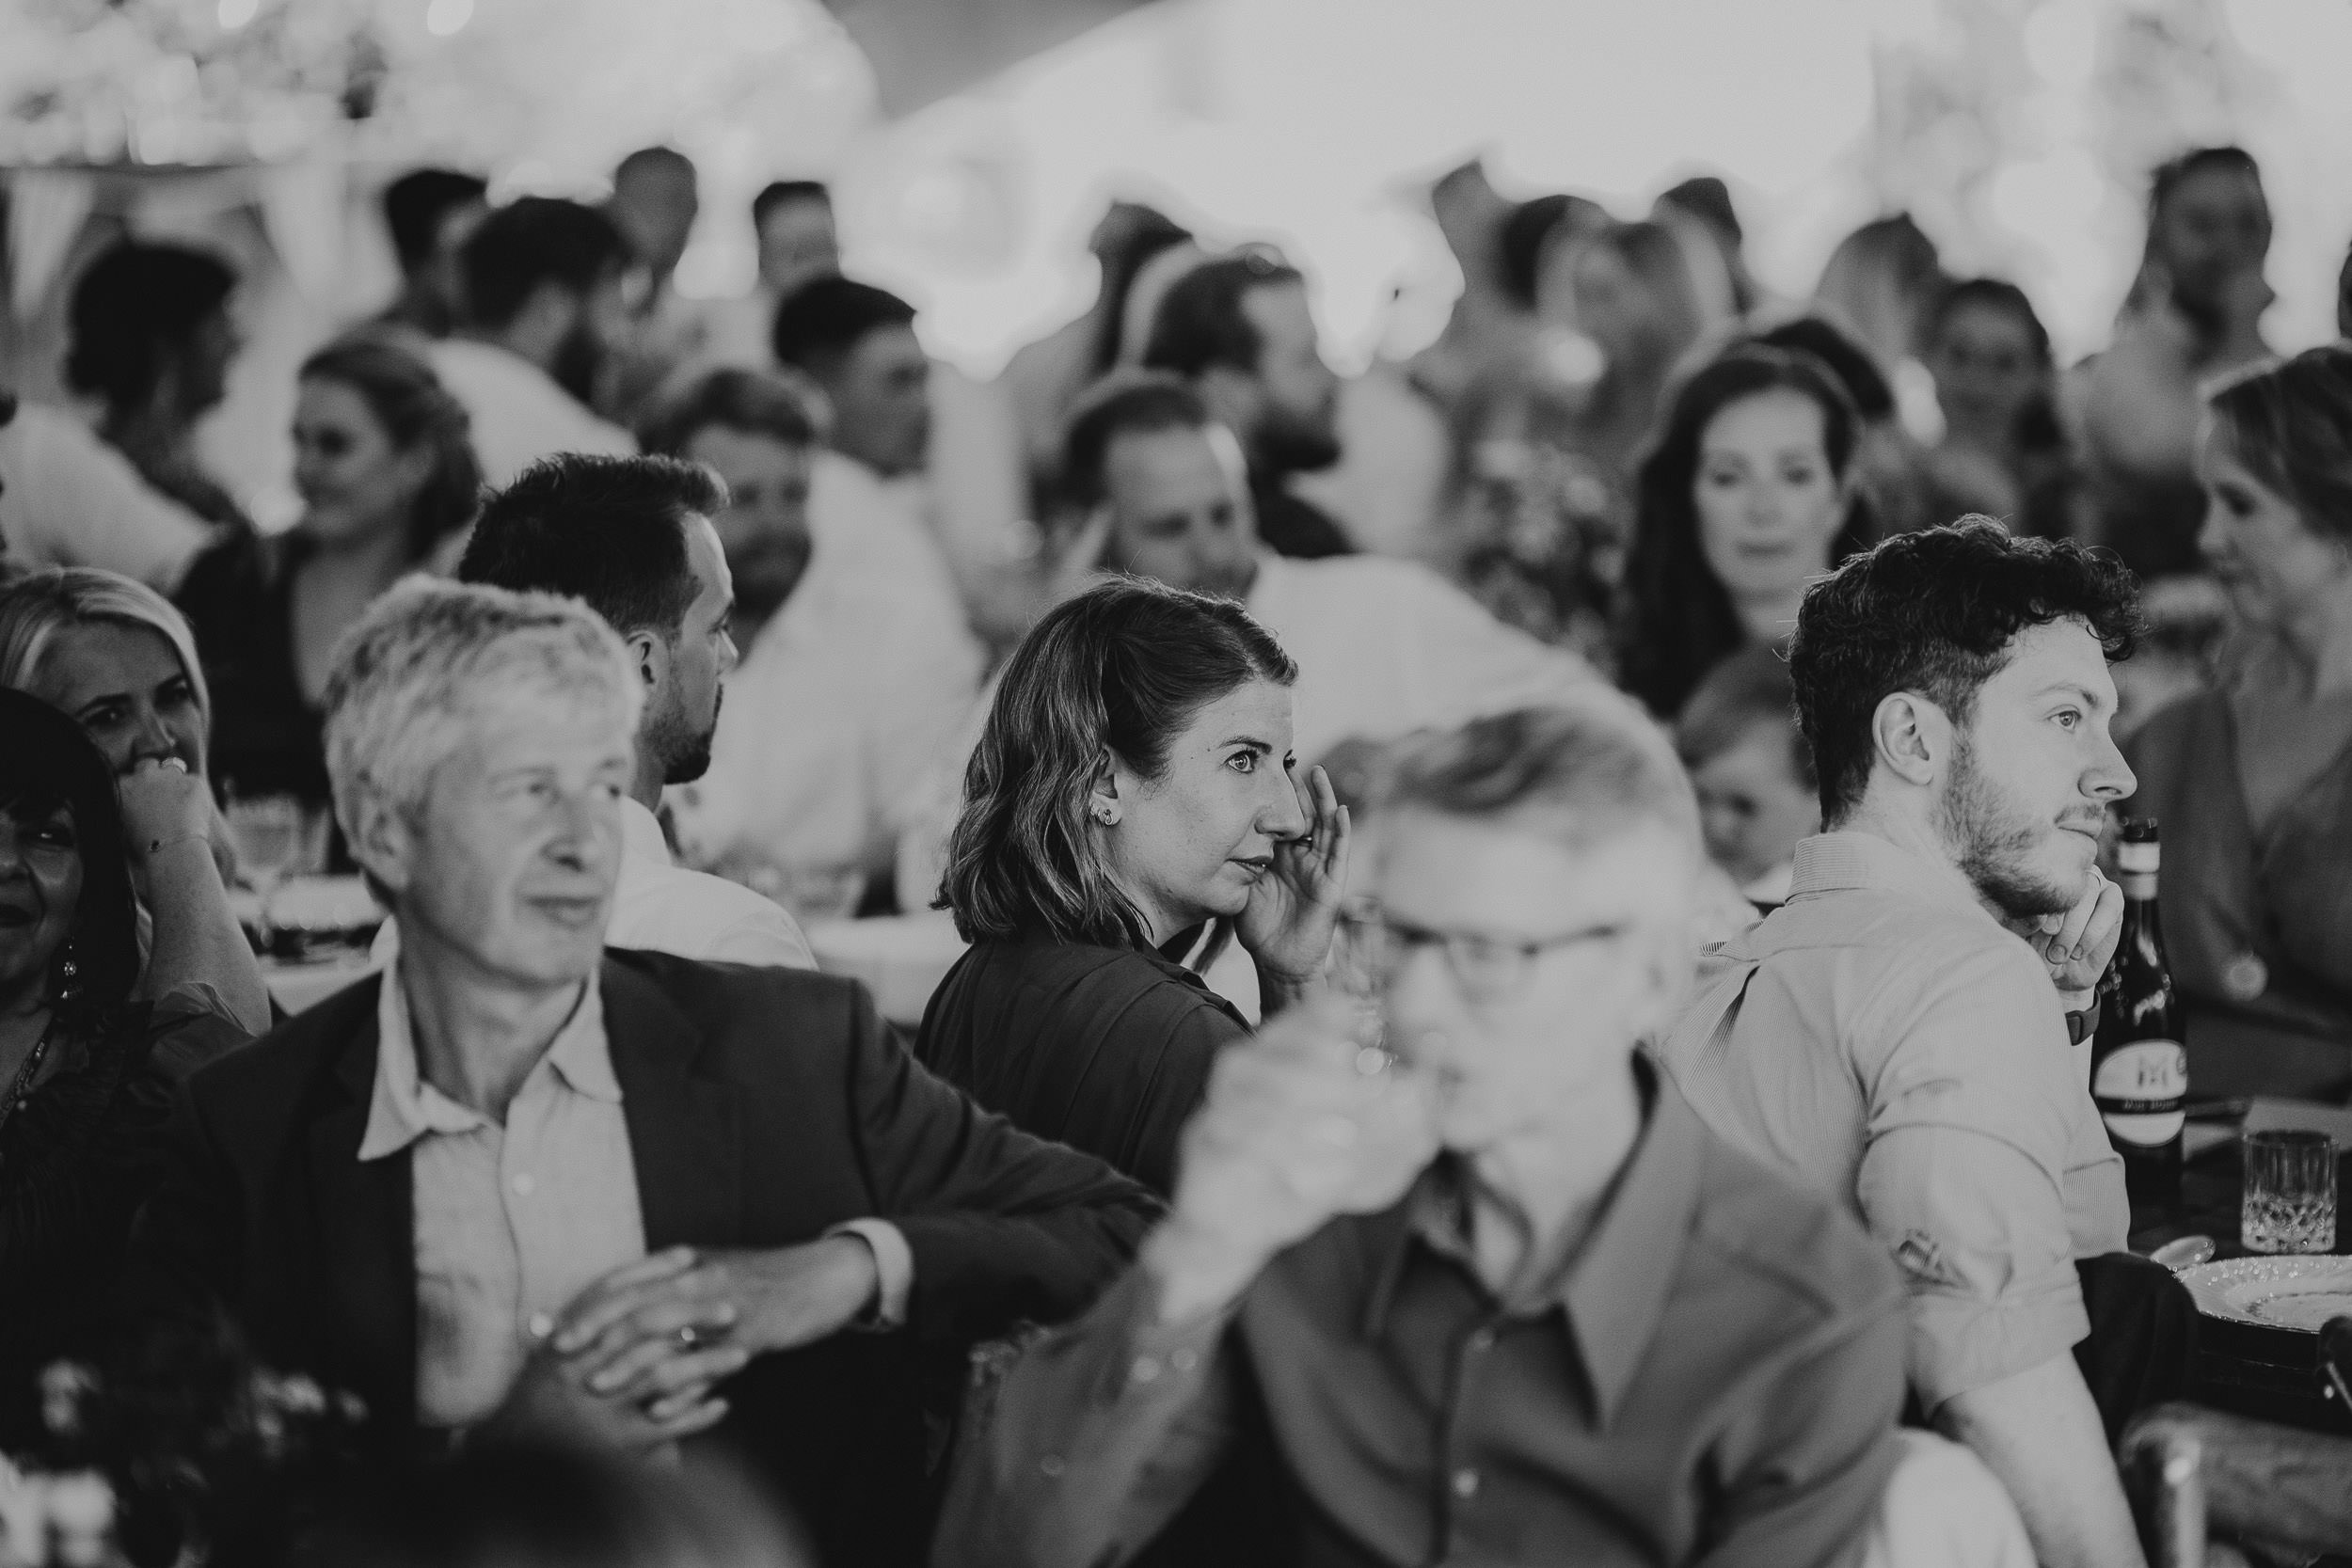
(2269, 1374)
(901, 959)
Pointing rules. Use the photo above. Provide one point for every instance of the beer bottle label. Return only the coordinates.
(2138, 1087)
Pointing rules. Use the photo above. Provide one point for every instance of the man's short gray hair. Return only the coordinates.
(428, 657)
(1585, 769)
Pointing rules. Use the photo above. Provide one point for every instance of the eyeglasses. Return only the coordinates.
(1488, 966)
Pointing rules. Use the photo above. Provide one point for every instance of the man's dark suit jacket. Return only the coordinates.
(763, 1106)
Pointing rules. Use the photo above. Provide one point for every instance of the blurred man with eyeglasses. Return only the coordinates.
(1486, 1290)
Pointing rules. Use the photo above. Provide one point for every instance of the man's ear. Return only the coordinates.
(382, 838)
(1913, 738)
(650, 653)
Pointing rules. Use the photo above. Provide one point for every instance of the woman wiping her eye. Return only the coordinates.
(1134, 784)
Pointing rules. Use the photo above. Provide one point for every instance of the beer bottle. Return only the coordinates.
(2138, 1067)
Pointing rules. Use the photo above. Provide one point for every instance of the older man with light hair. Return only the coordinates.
(1499, 1296)
(520, 1178)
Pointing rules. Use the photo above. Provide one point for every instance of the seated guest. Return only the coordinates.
(2004, 452)
(1384, 647)
(1746, 498)
(429, 213)
(67, 498)
(151, 341)
(631, 538)
(2253, 781)
(91, 1043)
(1504, 1299)
(1135, 780)
(1239, 329)
(386, 475)
(1890, 467)
(1752, 771)
(111, 655)
(521, 1181)
(851, 688)
(544, 313)
(1897, 1031)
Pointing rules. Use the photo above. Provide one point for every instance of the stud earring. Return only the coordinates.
(1106, 813)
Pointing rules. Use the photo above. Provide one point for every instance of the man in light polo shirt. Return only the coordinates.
(1900, 1030)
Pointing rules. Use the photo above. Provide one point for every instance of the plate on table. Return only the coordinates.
(2299, 1292)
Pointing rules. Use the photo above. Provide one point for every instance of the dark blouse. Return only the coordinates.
(1104, 1049)
(77, 1158)
(267, 739)
(2257, 919)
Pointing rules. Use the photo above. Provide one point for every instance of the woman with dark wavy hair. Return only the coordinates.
(94, 1034)
(1747, 496)
(389, 482)
(1134, 784)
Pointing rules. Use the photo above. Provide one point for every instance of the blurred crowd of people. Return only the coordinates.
(621, 636)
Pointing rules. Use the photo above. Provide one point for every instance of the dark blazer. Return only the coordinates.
(763, 1106)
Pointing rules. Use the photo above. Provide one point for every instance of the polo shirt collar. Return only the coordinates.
(403, 1108)
(1612, 1290)
(1845, 862)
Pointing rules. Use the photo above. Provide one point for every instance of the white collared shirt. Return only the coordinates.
(849, 698)
(1386, 647)
(518, 413)
(67, 498)
(662, 906)
(510, 1223)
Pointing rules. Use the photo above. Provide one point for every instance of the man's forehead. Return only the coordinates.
(1619, 866)
(1159, 464)
(2060, 652)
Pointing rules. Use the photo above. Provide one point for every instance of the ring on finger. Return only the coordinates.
(689, 1337)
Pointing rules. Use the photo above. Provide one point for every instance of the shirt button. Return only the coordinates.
(2246, 977)
(1482, 1341)
(524, 1184)
(1466, 1484)
(1185, 1360)
(1146, 1369)
(1050, 1466)
(541, 1325)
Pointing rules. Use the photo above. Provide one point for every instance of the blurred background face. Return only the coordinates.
(2032, 772)
(1753, 806)
(881, 401)
(1297, 424)
(1508, 1058)
(654, 208)
(764, 530)
(512, 859)
(1179, 511)
(1769, 505)
(1613, 305)
(797, 246)
(1193, 842)
(355, 484)
(41, 888)
(1985, 370)
(2275, 567)
(2215, 224)
(125, 686)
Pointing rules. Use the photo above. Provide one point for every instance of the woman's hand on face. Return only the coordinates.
(1295, 907)
(164, 803)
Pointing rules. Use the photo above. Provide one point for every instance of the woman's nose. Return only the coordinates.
(153, 738)
(1285, 815)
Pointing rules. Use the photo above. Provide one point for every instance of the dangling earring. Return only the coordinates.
(68, 975)
(1105, 814)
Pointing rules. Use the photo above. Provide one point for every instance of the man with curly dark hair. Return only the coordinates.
(1908, 1027)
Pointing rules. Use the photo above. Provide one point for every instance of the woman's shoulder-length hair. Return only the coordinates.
(1118, 671)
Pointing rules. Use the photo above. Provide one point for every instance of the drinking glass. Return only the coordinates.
(272, 835)
(2290, 1191)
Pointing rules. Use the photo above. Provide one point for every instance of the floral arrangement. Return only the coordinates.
(183, 1449)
